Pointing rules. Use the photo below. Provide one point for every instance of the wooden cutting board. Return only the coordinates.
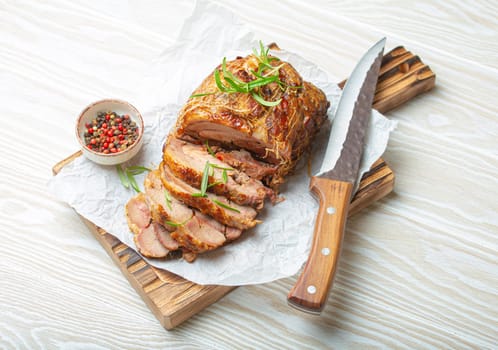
(173, 299)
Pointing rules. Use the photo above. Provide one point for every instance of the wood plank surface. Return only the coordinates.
(418, 268)
(173, 299)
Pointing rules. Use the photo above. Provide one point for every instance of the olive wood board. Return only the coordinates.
(173, 299)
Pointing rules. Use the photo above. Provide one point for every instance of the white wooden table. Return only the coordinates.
(419, 269)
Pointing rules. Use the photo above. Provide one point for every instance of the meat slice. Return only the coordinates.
(188, 255)
(164, 208)
(278, 135)
(241, 217)
(188, 162)
(164, 236)
(197, 236)
(148, 243)
(231, 233)
(151, 238)
(137, 213)
(243, 161)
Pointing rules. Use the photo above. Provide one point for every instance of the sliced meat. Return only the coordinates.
(278, 135)
(231, 233)
(197, 236)
(164, 236)
(241, 217)
(188, 162)
(148, 243)
(188, 255)
(137, 213)
(243, 161)
(164, 208)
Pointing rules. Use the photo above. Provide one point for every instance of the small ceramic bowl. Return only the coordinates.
(120, 108)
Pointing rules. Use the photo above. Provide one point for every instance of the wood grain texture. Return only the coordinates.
(311, 291)
(403, 76)
(418, 268)
(173, 299)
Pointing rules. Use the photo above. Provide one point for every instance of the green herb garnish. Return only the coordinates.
(167, 197)
(176, 224)
(200, 95)
(137, 169)
(209, 171)
(266, 74)
(127, 175)
(210, 151)
(226, 206)
(122, 177)
(198, 194)
(219, 167)
(205, 178)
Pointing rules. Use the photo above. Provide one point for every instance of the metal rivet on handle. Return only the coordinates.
(330, 210)
(325, 251)
(311, 289)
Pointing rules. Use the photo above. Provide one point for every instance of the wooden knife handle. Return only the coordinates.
(311, 290)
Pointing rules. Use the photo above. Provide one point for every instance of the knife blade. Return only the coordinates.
(335, 182)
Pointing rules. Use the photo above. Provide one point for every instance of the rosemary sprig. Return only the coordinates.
(209, 149)
(209, 168)
(167, 197)
(219, 167)
(204, 94)
(127, 176)
(122, 176)
(137, 169)
(266, 74)
(205, 179)
(226, 206)
(177, 224)
(263, 102)
(133, 182)
(209, 171)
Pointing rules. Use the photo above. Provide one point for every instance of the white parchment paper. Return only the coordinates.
(279, 246)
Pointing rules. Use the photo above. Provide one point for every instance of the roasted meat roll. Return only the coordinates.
(276, 134)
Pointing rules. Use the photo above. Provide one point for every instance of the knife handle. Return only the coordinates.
(311, 290)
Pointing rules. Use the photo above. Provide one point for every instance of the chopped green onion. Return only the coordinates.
(225, 176)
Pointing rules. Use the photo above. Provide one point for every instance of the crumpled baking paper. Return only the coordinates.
(279, 246)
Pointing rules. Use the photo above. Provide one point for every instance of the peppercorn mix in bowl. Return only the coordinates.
(110, 131)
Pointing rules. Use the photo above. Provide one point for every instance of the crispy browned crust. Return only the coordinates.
(243, 220)
(239, 187)
(277, 135)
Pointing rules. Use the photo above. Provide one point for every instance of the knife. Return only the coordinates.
(335, 182)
